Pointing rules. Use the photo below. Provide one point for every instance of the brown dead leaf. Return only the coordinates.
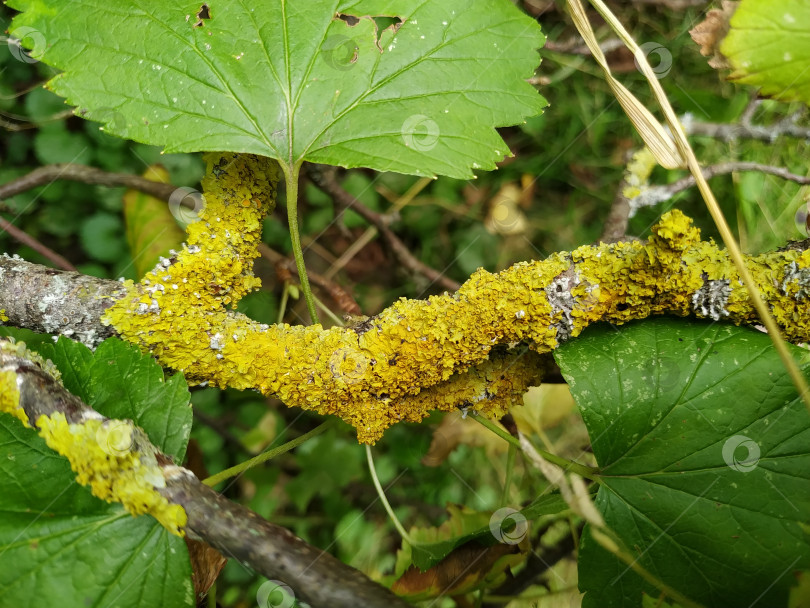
(206, 564)
(709, 33)
(544, 407)
(454, 431)
(463, 570)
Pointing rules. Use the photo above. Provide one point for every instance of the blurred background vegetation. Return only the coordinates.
(559, 186)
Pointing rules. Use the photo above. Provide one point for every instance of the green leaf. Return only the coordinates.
(119, 381)
(61, 541)
(102, 237)
(294, 81)
(150, 224)
(434, 544)
(704, 455)
(768, 46)
(55, 144)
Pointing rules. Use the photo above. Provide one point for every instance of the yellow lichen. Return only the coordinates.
(637, 174)
(10, 396)
(3, 317)
(114, 459)
(395, 366)
(18, 348)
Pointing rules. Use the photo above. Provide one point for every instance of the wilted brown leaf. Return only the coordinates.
(709, 33)
(463, 570)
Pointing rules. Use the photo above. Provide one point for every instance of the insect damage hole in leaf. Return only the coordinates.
(202, 14)
(382, 23)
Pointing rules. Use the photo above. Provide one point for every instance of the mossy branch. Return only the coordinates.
(445, 352)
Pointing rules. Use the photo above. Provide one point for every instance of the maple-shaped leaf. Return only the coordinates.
(414, 86)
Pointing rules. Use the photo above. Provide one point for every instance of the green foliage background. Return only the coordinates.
(575, 153)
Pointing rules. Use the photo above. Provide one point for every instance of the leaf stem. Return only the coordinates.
(291, 173)
(384, 500)
(569, 465)
(510, 466)
(268, 455)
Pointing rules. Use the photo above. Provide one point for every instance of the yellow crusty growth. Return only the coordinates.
(637, 174)
(413, 356)
(10, 396)
(113, 458)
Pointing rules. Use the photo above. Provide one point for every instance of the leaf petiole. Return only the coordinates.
(569, 465)
(291, 174)
(269, 454)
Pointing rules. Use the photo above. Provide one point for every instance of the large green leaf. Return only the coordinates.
(298, 80)
(119, 381)
(60, 543)
(768, 46)
(704, 455)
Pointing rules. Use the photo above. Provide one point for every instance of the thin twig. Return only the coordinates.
(658, 194)
(745, 129)
(340, 296)
(26, 239)
(675, 5)
(325, 178)
(574, 46)
(88, 175)
(623, 209)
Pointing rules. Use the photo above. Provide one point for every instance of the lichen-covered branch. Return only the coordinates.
(52, 301)
(144, 480)
(419, 355)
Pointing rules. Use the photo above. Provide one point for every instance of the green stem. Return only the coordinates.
(335, 319)
(291, 174)
(268, 455)
(282, 307)
(394, 519)
(569, 465)
(510, 465)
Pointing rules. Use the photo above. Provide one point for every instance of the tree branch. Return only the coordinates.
(26, 239)
(91, 175)
(56, 302)
(745, 129)
(316, 576)
(87, 175)
(623, 208)
(658, 194)
(325, 178)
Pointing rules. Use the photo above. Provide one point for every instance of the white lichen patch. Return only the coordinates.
(711, 299)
